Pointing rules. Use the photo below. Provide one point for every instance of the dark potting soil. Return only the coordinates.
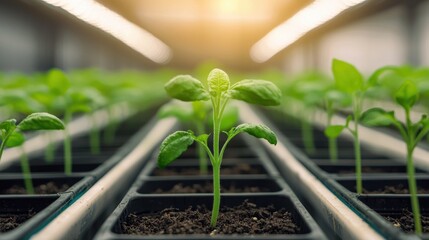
(368, 170)
(11, 221)
(207, 187)
(225, 170)
(45, 188)
(396, 189)
(246, 219)
(406, 222)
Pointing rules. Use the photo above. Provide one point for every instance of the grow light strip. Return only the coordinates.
(103, 18)
(312, 16)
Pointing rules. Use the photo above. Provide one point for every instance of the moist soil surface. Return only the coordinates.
(11, 221)
(246, 219)
(406, 222)
(207, 187)
(396, 189)
(225, 170)
(46, 188)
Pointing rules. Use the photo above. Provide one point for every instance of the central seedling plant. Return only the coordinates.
(218, 92)
(412, 133)
(350, 81)
(11, 136)
(194, 116)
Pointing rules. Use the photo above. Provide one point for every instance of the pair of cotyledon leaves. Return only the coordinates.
(349, 80)
(187, 88)
(12, 133)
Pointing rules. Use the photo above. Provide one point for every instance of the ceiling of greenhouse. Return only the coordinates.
(208, 30)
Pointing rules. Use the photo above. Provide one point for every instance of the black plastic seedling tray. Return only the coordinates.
(141, 198)
(378, 169)
(87, 169)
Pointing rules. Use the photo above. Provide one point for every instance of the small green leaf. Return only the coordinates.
(57, 81)
(377, 117)
(373, 79)
(407, 95)
(256, 130)
(15, 139)
(41, 121)
(338, 98)
(173, 146)
(176, 109)
(79, 107)
(186, 88)
(347, 77)
(8, 125)
(218, 81)
(334, 131)
(257, 92)
(202, 138)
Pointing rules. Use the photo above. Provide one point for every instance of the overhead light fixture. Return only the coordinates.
(312, 16)
(103, 18)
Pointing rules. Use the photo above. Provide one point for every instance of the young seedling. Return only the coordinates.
(406, 96)
(72, 100)
(11, 136)
(334, 100)
(350, 81)
(219, 92)
(308, 91)
(195, 117)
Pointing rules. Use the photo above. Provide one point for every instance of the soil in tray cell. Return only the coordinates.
(405, 221)
(246, 218)
(350, 169)
(207, 187)
(194, 170)
(385, 186)
(11, 221)
(45, 188)
(227, 186)
(395, 189)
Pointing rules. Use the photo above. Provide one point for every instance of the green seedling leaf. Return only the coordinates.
(256, 92)
(57, 81)
(41, 121)
(8, 125)
(338, 98)
(173, 146)
(256, 130)
(177, 110)
(347, 77)
(218, 82)
(15, 139)
(79, 107)
(377, 117)
(407, 95)
(186, 88)
(373, 79)
(334, 131)
(202, 138)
